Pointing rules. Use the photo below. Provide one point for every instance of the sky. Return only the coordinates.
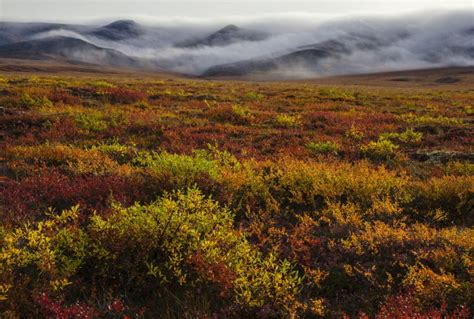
(162, 10)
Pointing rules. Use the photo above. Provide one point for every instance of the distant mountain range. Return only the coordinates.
(125, 43)
(308, 57)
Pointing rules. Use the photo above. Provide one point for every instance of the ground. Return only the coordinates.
(127, 194)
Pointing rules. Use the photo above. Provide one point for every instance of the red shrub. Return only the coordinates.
(65, 129)
(18, 124)
(63, 97)
(218, 274)
(403, 307)
(57, 309)
(32, 196)
(54, 309)
(124, 96)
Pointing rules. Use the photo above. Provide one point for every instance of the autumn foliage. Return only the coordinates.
(124, 198)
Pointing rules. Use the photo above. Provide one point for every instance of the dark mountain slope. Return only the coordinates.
(11, 32)
(307, 56)
(66, 48)
(119, 30)
(225, 36)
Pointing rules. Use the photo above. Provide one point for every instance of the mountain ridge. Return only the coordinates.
(65, 48)
(225, 36)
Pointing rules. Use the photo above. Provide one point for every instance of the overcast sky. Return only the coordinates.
(88, 10)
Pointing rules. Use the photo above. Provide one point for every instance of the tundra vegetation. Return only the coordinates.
(138, 198)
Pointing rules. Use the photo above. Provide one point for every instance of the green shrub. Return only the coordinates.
(382, 149)
(328, 147)
(26, 101)
(50, 252)
(29, 102)
(91, 122)
(117, 118)
(102, 85)
(408, 137)
(354, 133)
(253, 96)
(119, 152)
(411, 118)
(179, 227)
(143, 105)
(243, 112)
(468, 108)
(336, 94)
(180, 170)
(288, 121)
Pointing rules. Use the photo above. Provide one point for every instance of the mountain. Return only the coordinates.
(11, 32)
(119, 30)
(304, 57)
(225, 36)
(355, 47)
(307, 57)
(65, 48)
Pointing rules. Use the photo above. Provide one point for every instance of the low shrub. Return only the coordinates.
(169, 248)
(253, 96)
(121, 95)
(328, 147)
(179, 170)
(451, 195)
(289, 186)
(102, 85)
(235, 114)
(354, 133)
(91, 122)
(336, 94)
(27, 159)
(404, 306)
(143, 105)
(411, 118)
(364, 259)
(117, 151)
(288, 121)
(28, 199)
(383, 149)
(28, 102)
(408, 137)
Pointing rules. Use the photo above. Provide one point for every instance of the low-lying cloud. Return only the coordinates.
(422, 40)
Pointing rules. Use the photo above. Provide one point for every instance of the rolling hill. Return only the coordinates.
(64, 48)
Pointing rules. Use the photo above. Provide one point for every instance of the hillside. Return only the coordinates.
(228, 35)
(64, 48)
(322, 59)
(119, 30)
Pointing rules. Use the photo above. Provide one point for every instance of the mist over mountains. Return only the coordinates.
(273, 48)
